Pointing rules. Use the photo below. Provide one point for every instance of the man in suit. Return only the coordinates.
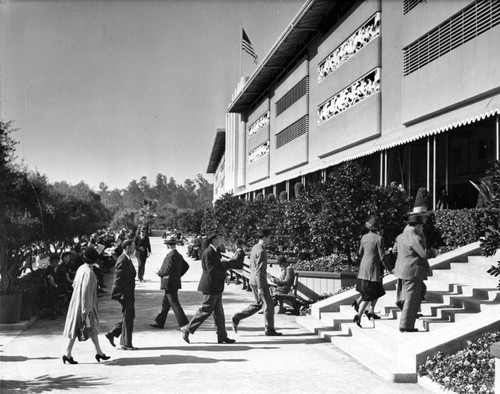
(260, 287)
(211, 285)
(143, 250)
(173, 268)
(412, 268)
(123, 291)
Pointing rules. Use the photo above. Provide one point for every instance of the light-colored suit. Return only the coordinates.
(258, 280)
(411, 269)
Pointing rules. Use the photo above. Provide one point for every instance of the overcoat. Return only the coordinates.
(173, 268)
(214, 272)
(411, 262)
(124, 283)
(83, 300)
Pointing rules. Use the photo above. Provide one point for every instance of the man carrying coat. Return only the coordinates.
(173, 268)
(123, 291)
(211, 285)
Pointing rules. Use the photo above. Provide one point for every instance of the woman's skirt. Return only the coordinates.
(369, 290)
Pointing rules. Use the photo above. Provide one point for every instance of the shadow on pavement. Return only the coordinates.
(212, 348)
(46, 383)
(23, 358)
(171, 359)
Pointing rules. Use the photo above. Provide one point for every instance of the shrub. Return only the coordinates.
(471, 370)
(332, 263)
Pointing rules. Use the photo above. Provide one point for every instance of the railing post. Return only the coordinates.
(495, 351)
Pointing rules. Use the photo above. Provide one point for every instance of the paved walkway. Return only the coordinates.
(297, 362)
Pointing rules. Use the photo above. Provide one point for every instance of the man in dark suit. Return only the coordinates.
(123, 291)
(260, 287)
(173, 268)
(211, 285)
(142, 252)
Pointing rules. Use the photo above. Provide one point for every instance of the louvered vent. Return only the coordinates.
(292, 96)
(408, 5)
(469, 23)
(293, 131)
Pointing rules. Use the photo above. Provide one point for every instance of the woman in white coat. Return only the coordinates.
(83, 307)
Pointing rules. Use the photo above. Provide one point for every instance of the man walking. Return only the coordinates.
(173, 268)
(259, 285)
(211, 285)
(123, 291)
(143, 250)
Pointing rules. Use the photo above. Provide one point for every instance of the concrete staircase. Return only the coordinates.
(462, 301)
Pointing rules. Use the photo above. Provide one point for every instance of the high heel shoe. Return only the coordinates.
(100, 357)
(355, 306)
(69, 360)
(356, 320)
(371, 316)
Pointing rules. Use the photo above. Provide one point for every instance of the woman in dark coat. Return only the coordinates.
(369, 283)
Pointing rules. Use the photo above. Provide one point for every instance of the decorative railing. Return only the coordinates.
(259, 152)
(259, 124)
(353, 94)
(352, 45)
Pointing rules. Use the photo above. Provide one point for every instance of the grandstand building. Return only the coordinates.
(410, 89)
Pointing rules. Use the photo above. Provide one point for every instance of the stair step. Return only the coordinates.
(381, 362)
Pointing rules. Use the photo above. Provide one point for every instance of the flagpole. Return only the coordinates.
(241, 40)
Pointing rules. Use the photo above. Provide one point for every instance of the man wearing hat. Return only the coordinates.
(211, 285)
(173, 268)
(123, 291)
(411, 270)
(259, 285)
(142, 252)
(57, 285)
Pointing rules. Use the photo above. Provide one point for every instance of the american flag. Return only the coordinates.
(246, 45)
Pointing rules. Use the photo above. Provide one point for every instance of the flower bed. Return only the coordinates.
(333, 263)
(471, 370)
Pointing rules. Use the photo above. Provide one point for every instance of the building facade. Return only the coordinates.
(410, 89)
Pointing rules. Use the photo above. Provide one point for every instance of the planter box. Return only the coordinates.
(312, 284)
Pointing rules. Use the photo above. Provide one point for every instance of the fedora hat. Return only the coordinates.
(265, 232)
(212, 235)
(169, 240)
(415, 219)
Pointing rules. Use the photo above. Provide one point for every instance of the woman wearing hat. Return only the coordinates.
(83, 307)
(369, 283)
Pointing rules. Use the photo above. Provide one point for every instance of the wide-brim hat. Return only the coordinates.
(170, 240)
(213, 235)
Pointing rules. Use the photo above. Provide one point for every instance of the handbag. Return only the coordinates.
(84, 332)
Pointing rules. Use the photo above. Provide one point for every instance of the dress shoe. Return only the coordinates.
(408, 329)
(128, 348)
(110, 338)
(273, 333)
(355, 305)
(155, 325)
(371, 316)
(357, 320)
(100, 357)
(185, 334)
(235, 325)
(69, 360)
(226, 340)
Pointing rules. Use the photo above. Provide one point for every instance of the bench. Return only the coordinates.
(291, 299)
(242, 275)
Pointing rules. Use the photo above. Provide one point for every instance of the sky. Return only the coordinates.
(110, 91)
